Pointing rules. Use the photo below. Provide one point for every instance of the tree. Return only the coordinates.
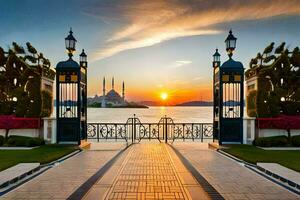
(278, 76)
(21, 70)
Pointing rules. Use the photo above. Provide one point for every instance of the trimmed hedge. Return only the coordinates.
(296, 141)
(1, 140)
(22, 141)
(276, 141)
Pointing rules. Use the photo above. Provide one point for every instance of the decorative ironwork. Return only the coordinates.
(107, 131)
(135, 131)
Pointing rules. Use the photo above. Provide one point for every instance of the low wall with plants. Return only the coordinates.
(10, 125)
(280, 125)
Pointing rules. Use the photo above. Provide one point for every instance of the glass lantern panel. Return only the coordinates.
(68, 98)
(72, 44)
(67, 42)
(232, 44)
(227, 44)
(83, 59)
(216, 58)
(231, 100)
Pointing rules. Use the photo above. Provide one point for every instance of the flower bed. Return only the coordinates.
(281, 122)
(11, 122)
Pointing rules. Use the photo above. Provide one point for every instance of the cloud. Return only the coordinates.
(148, 22)
(180, 63)
(198, 78)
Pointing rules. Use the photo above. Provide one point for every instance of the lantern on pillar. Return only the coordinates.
(230, 43)
(229, 97)
(70, 97)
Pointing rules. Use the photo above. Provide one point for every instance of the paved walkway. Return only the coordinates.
(149, 171)
(229, 178)
(61, 181)
(17, 171)
(282, 171)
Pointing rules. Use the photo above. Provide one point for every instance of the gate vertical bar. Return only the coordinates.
(202, 133)
(166, 130)
(183, 132)
(193, 131)
(149, 132)
(134, 128)
(98, 132)
(116, 132)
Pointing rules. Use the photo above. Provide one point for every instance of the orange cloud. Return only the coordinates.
(148, 22)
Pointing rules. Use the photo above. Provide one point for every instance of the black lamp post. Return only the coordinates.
(216, 86)
(71, 96)
(83, 70)
(228, 96)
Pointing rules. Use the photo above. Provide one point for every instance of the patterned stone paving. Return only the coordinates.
(148, 172)
(232, 180)
(59, 182)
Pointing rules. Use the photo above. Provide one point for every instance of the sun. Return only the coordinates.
(164, 96)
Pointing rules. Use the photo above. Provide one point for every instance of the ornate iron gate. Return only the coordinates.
(163, 131)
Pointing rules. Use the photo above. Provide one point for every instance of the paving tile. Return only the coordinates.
(16, 171)
(149, 172)
(62, 180)
(232, 180)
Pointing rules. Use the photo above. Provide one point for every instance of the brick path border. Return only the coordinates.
(87, 185)
(207, 187)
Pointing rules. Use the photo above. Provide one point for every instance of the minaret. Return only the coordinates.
(113, 83)
(103, 103)
(123, 92)
(103, 86)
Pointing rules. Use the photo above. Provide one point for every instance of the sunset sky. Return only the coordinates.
(155, 46)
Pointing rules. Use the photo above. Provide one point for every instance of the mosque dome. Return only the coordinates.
(113, 96)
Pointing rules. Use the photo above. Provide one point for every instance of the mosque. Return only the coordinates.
(112, 98)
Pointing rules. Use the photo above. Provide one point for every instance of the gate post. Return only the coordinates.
(132, 140)
(134, 128)
(166, 130)
(202, 133)
(98, 132)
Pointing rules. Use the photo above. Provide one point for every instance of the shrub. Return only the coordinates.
(276, 141)
(296, 141)
(32, 142)
(1, 140)
(22, 141)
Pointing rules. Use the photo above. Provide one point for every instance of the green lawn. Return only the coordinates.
(252, 154)
(43, 154)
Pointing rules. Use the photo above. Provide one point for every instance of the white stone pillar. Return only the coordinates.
(49, 129)
(244, 130)
(45, 128)
(248, 130)
(53, 133)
